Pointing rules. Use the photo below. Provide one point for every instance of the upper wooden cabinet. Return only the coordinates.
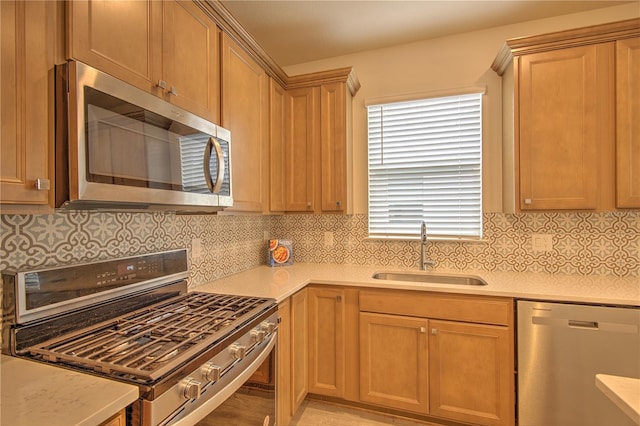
(278, 101)
(245, 106)
(301, 149)
(29, 35)
(335, 148)
(628, 122)
(576, 108)
(318, 142)
(167, 48)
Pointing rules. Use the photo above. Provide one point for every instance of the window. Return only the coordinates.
(425, 165)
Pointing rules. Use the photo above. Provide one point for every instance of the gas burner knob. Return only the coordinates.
(190, 388)
(211, 372)
(268, 327)
(258, 335)
(238, 351)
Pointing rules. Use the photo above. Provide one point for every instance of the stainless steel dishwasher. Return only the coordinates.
(561, 347)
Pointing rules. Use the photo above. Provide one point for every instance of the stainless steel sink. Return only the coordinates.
(429, 278)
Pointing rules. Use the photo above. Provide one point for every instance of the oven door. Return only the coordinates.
(248, 399)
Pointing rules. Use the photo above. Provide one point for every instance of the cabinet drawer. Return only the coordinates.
(480, 309)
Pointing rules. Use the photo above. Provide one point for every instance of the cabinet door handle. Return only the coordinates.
(339, 298)
(162, 84)
(434, 331)
(528, 201)
(43, 184)
(423, 330)
(173, 91)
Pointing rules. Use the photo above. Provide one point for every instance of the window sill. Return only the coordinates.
(431, 239)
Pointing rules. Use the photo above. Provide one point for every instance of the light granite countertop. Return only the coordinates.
(35, 394)
(623, 391)
(281, 282)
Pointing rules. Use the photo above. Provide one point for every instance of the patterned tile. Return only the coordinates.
(584, 243)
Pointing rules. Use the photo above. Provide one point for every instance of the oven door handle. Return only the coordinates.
(223, 394)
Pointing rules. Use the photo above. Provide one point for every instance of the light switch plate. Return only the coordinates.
(542, 242)
(196, 248)
(328, 239)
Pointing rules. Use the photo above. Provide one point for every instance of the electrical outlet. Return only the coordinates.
(541, 242)
(196, 248)
(328, 239)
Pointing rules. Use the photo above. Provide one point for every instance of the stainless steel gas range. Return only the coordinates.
(132, 320)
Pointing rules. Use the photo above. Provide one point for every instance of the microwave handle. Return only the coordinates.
(213, 143)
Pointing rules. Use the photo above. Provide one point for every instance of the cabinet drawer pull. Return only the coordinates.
(527, 201)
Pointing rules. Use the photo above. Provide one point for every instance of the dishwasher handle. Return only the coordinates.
(614, 327)
(589, 325)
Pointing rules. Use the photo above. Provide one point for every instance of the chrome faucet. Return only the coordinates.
(424, 262)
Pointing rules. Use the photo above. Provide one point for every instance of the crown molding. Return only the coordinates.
(564, 39)
(230, 25)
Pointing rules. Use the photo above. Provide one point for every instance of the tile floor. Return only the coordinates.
(317, 413)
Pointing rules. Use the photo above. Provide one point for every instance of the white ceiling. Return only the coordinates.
(298, 31)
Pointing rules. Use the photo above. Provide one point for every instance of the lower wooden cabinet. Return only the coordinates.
(326, 341)
(436, 354)
(470, 372)
(433, 355)
(119, 419)
(299, 349)
(283, 362)
(394, 361)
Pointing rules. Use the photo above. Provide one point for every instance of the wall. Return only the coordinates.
(457, 61)
(230, 244)
(584, 243)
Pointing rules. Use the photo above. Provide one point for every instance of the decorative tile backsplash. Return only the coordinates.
(230, 244)
(583, 243)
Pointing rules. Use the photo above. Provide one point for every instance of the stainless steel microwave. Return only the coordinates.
(118, 147)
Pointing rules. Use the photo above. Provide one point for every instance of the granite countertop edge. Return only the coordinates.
(281, 282)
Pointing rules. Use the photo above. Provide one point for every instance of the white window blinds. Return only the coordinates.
(425, 165)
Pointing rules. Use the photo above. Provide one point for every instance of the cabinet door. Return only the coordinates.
(628, 123)
(122, 38)
(300, 149)
(333, 146)
(190, 65)
(326, 345)
(245, 103)
(564, 127)
(471, 373)
(299, 349)
(394, 361)
(28, 36)
(283, 387)
(278, 99)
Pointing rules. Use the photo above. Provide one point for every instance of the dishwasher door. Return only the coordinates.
(561, 348)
